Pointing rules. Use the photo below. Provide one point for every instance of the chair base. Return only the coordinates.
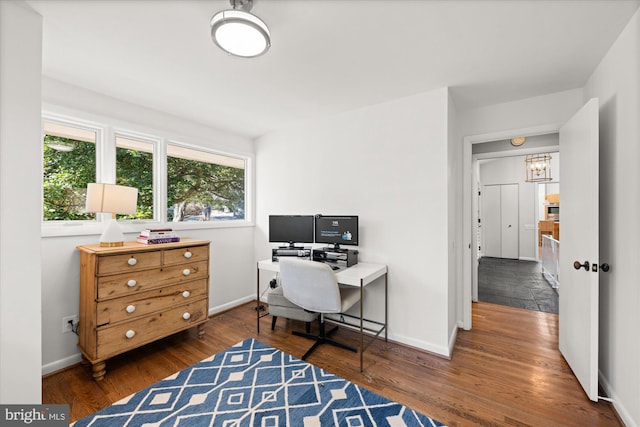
(307, 325)
(323, 338)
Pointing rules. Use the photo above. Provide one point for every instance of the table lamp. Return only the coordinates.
(113, 199)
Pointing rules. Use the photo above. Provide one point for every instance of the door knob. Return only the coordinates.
(578, 265)
(604, 267)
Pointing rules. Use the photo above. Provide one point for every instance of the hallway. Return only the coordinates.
(515, 283)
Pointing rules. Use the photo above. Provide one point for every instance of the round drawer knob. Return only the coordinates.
(188, 254)
(131, 308)
(186, 294)
(131, 283)
(132, 261)
(186, 272)
(130, 333)
(186, 316)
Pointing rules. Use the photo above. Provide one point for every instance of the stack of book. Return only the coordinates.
(160, 235)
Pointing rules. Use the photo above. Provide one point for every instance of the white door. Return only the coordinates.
(578, 289)
(500, 220)
(509, 223)
(491, 223)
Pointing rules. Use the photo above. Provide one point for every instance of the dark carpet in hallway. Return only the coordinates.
(515, 283)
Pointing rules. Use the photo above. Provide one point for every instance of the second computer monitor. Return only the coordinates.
(336, 230)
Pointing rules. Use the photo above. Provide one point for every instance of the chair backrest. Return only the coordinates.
(311, 285)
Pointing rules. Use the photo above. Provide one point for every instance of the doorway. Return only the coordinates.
(509, 214)
(496, 145)
(578, 309)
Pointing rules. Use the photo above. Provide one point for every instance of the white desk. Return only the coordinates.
(360, 275)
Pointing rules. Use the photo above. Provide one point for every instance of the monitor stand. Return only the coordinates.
(291, 245)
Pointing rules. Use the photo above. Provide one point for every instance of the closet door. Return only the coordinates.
(491, 222)
(500, 221)
(509, 221)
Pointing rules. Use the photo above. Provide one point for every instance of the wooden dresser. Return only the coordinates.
(135, 294)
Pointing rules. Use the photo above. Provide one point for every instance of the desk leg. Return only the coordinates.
(258, 299)
(361, 324)
(386, 309)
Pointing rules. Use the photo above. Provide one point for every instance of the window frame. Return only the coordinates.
(106, 130)
(181, 144)
(155, 142)
(79, 124)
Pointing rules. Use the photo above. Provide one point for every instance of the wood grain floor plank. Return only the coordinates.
(507, 371)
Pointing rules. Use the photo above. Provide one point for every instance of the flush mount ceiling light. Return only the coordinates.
(518, 141)
(240, 33)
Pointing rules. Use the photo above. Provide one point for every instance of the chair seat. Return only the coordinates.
(280, 306)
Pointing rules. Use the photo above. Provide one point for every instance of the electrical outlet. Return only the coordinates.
(68, 323)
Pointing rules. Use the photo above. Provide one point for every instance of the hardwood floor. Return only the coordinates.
(507, 371)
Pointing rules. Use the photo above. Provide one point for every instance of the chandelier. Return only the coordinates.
(538, 167)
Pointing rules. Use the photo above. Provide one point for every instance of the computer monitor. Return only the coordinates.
(291, 229)
(336, 230)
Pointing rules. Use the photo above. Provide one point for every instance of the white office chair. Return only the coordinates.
(314, 287)
(279, 306)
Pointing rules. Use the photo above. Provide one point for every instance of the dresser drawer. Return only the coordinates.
(128, 335)
(128, 262)
(182, 255)
(143, 303)
(140, 281)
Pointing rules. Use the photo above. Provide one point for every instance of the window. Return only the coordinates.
(177, 182)
(69, 164)
(134, 168)
(204, 186)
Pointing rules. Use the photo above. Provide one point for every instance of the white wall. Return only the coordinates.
(386, 163)
(616, 82)
(20, 172)
(555, 108)
(232, 269)
(454, 217)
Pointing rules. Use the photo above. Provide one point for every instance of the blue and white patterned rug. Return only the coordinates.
(252, 384)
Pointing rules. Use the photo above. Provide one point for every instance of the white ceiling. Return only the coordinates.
(326, 56)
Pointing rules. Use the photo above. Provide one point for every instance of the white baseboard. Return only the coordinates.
(526, 258)
(232, 304)
(61, 364)
(620, 409)
(441, 351)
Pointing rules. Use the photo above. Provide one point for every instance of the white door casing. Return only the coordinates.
(578, 290)
(470, 223)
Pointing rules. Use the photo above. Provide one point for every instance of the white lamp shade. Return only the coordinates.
(111, 198)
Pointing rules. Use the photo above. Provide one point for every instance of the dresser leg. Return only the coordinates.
(99, 371)
(201, 331)
(84, 361)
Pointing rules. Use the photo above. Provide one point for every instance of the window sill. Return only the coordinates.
(67, 229)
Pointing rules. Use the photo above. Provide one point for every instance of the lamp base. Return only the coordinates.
(112, 235)
(111, 244)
